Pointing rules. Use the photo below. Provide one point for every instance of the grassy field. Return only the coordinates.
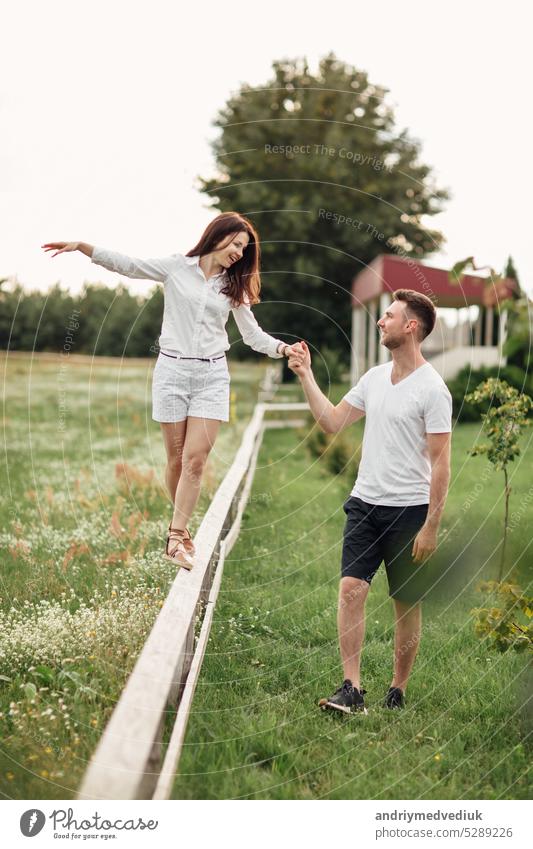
(83, 515)
(255, 730)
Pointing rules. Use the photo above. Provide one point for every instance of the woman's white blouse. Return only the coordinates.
(195, 312)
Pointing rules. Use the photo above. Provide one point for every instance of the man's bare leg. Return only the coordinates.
(351, 626)
(406, 640)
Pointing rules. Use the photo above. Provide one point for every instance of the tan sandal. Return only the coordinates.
(179, 553)
(187, 541)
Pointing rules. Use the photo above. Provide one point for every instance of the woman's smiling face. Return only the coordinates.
(229, 252)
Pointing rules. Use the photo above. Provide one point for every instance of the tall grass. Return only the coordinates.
(83, 510)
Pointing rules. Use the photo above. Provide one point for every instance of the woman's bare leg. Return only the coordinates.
(200, 437)
(174, 439)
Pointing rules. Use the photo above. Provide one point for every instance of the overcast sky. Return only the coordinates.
(107, 110)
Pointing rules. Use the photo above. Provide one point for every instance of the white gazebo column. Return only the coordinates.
(489, 324)
(502, 335)
(478, 327)
(371, 333)
(385, 300)
(458, 331)
(357, 365)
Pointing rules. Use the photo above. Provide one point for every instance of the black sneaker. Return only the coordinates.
(394, 698)
(347, 699)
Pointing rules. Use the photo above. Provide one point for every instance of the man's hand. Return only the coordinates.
(425, 544)
(300, 359)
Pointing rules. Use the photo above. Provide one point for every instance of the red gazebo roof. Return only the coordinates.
(389, 272)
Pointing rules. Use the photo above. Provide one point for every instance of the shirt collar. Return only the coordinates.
(195, 260)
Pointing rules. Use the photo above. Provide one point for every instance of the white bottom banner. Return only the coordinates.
(259, 823)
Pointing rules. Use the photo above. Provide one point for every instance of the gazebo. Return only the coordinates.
(476, 343)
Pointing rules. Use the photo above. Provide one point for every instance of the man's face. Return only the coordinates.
(396, 327)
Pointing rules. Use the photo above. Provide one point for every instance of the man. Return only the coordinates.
(394, 510)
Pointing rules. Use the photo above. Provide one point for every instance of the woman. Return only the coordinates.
(190, 388)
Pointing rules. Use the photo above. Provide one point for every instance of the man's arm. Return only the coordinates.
(439, 446)
(330, 418)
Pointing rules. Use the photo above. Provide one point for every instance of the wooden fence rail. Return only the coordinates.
(131, 760)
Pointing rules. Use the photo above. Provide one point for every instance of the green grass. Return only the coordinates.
(83, 512)
(255, 730)
(82, 580)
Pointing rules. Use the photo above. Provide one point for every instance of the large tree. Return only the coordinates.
(299, 156)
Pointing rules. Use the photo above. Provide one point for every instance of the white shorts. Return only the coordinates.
(182, 388)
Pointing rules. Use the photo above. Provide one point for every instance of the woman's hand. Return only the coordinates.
(300, 359)
(60, 247)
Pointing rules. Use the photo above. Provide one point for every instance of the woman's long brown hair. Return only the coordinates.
(244, 281)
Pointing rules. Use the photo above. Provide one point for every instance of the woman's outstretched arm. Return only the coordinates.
(64, 247)
(253, 335)
(147, 269)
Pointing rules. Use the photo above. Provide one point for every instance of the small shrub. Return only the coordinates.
(329, 367)
(468, 379)
(509, 624)
(340, 453)
(503, 425)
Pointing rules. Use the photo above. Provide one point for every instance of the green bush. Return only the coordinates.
(339, 452)
(329, 367)
(507, 618)
(468, 379)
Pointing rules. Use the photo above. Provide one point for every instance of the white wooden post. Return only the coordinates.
(385, 300)
(124, 765)
(364, 335)
(127, 763)
(458, 331)
(357, 366)
(478, 327)
(372, 333)
(502, 335)
(489, 324)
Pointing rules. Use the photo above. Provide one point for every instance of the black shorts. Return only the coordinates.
(373, 534)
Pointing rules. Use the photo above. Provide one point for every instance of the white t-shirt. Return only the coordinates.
(395, 468)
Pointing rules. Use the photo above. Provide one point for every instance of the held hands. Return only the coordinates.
(300, 359)
(60, 247)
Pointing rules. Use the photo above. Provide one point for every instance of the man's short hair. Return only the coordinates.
(420, 307)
